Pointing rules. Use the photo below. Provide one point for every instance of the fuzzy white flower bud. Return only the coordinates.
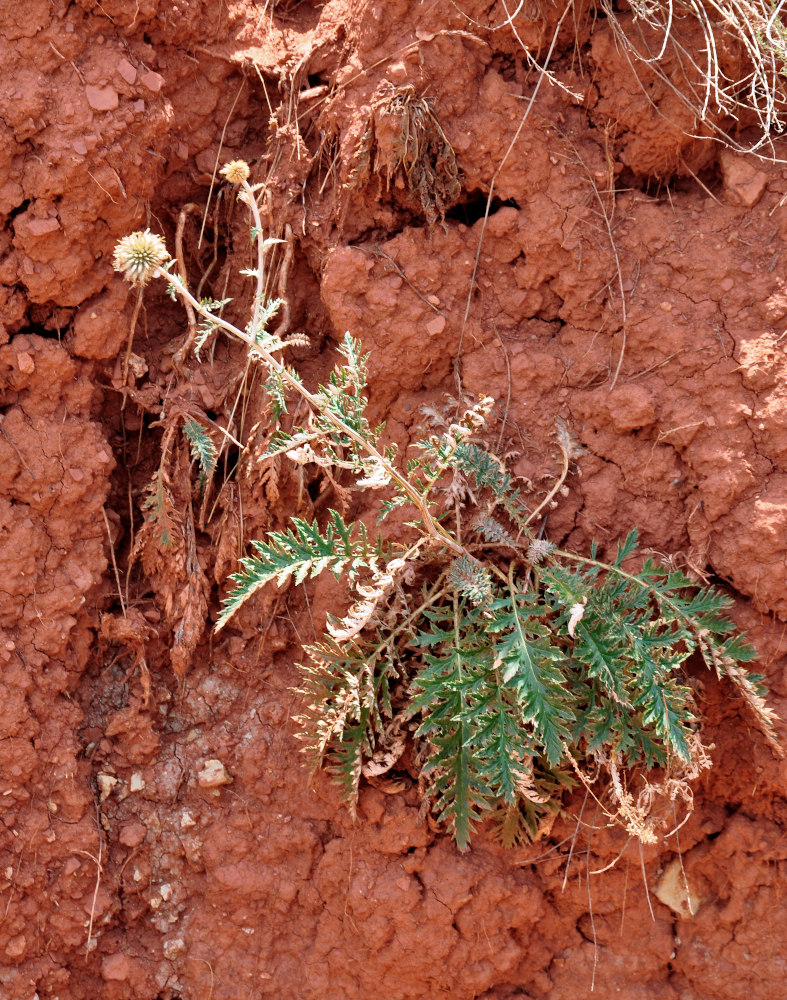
(137, 256)
(236, 171)
(538, 550)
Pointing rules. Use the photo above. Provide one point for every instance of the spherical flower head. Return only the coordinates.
(236, 171)
(538, 550)
(138, 255)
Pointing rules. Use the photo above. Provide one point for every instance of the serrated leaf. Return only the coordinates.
(203, 450)
(301, 552)
(488, 473)
(528, 662)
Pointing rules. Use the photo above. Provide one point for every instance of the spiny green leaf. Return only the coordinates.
(203, 450)
(488, 472)
(207, 325)
(502, 746)
(626, 547)
(300, 552)
(536, 803)
(451, 691)
(266, 341)
(528, 662)
(274, 386)
(493, 531)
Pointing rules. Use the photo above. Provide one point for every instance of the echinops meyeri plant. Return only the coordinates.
(495, 667)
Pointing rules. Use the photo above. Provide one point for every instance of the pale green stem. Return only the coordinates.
(255, 211)
(647, 587)
(432, 526)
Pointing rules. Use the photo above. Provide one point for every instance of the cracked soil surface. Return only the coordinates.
(630, 280)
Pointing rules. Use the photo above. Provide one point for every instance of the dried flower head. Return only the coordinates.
(236, 171)
(138, 255)
(538, 550)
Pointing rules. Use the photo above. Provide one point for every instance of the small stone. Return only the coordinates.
(213, 774)
(127, 71)
(153, 81)
(79, 146)
(173, 947)
(102, 98)
(673, 890)
(40, 227)
(132, 834)
(187, 820)
(435, 326)
(136, 782)
(16, 947)
(25, 363)
(137, 365)
(116, 968)
(397, 72)
(743, 183)
(106, 782)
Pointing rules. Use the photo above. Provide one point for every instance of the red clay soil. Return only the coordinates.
(613, 241)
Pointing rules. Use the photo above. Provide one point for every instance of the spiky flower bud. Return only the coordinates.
(236, 171)
(538, 550)
(138, 255)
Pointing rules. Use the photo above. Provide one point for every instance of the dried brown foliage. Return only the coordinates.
(403, 140)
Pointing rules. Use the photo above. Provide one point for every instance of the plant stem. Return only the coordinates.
(431, 525)
(648, 588)
(255, 211)
(558, 484)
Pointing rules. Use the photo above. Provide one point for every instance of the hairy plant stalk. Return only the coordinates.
(498, 663)
(251, 201)
(432, 526)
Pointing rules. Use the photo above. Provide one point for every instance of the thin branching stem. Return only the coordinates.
(654, 592)
(566, 456)
(259, 295)
(432, 526)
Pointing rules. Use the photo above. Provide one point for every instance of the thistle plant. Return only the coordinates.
(494, 667)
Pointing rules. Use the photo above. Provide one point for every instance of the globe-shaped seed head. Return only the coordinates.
(236, 171)
(138, 255)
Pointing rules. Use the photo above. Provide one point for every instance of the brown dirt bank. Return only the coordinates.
(121, 875)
